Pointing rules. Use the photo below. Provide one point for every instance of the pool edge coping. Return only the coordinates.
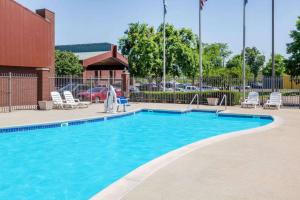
(120, 188)
(109, 116)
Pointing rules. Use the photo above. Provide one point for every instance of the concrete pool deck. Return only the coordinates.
(261, 165)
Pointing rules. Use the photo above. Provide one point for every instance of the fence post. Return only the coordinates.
(10, 92)
(299, 98)
(225, 102)
(71, 83)
(91, 86)
(198, 101)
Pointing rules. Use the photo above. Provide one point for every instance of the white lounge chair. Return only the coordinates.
(252, 100)
(274, 101)
(57, 100)
(75, 103)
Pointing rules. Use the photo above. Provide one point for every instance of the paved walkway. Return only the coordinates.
(259, 166)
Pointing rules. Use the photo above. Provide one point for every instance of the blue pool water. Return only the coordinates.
(76, 162)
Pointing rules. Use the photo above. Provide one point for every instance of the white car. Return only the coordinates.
(191, 89)
(209, 88)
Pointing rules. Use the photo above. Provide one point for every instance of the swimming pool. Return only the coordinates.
(79, 160)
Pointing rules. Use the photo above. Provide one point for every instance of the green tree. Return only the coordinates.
(187, 54)
(234, 67)
(212, 52)
(172, 44)
(67, 63)
(181, 45)
(214, 56)
(235, 62)
(280, 65)
(254, 60)
(144, 48)
(139, 45)
(293, 62)
(224, 52)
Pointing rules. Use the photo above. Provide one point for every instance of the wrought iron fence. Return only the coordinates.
(18, 92)
(183, 90)
(86, 89)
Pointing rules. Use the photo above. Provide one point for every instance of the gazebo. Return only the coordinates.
(101, 60)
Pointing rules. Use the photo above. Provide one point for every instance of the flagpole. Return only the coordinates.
(200, 48)
(164, 48)
(273, 45)
(244, 50)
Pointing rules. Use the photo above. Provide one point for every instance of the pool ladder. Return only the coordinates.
(195, 97)
(222, 101)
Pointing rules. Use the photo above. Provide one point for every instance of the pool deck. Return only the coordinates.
(263, 165)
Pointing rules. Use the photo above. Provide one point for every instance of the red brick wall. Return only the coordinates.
(26, 38)
(27, 44)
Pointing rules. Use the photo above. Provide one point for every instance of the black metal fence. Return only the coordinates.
(183, 90)
(20, 91)
(86, 89)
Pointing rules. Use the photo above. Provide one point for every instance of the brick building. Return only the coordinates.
(101, 60)
(27, 53)
(27, 44)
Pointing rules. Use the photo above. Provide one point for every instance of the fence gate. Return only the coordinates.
(18, 92)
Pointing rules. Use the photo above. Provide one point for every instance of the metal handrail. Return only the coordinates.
(224, 98)
(196, 96)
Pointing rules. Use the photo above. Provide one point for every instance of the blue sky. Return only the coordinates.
(84, 21)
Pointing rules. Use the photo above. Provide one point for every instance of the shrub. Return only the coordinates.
(233, 98)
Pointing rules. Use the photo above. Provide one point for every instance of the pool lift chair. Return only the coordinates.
(122, 101)
(113, 103)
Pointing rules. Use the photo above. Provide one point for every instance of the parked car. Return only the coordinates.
(149, 87)
(74, 88)
(191, 89)
(97, 94)
(169, 90)
(209, 88)
(256, 85)
(134, 89)
(240, 88)
(180, 87)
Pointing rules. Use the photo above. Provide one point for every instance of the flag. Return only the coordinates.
(245, 1)
(165, 7)
(202, 3)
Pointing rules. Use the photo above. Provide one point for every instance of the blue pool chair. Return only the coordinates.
(122, 101)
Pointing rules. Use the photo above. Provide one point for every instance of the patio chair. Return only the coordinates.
(274, 101)
(57, 100)
(75, 103)
(252, 100)
(122, 101)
